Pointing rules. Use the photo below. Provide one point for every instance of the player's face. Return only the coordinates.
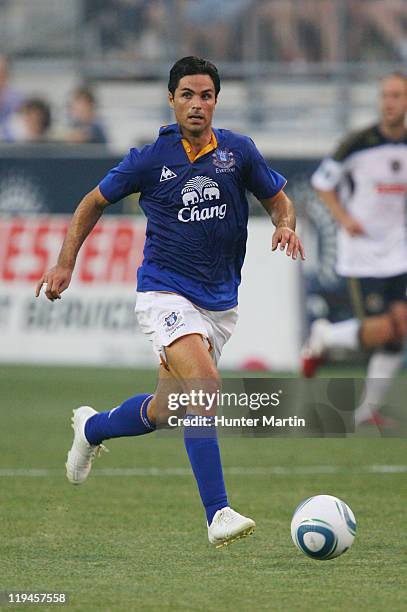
(194, 102)
(394, 100)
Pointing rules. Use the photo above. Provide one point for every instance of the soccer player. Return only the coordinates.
(192, 181)
(364, 185)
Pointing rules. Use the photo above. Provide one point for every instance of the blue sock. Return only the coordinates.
(128, 419)
(202, 447)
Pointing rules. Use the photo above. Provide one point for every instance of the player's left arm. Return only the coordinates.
(282, 213)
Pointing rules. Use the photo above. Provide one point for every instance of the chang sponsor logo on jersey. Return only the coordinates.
(200, 190)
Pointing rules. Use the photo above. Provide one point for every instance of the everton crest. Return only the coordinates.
(223, 158)
(171, 319)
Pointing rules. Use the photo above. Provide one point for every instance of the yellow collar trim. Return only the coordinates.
(209, 147)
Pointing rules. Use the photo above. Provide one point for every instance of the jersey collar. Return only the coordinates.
(174, 128)
(211, 146)
(387, 140)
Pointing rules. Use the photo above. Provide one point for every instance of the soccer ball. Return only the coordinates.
(323, 527)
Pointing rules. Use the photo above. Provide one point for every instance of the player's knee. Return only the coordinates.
(393, 330)
(399, 332)
(205, 378)
(399, 321)
(376, 331)
(386, 330)
(207, 372)
(203, 391)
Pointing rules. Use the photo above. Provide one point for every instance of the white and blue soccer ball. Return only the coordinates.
(323, 527)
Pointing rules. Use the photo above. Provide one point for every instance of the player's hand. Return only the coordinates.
(287, 238)
(352, 226)
(56, 280)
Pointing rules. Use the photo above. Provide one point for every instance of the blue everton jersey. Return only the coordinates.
(197, 212)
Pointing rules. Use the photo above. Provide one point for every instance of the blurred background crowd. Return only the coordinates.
(287, 30)
(290, 30)
(28, 119)
(65, 67)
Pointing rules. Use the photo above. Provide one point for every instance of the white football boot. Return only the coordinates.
(79, 461)
(228, 526)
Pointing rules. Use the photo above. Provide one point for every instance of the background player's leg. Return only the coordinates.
(384, 365)
(367, 330)
(352, 334)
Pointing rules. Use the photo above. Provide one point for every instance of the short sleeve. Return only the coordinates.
(261, 181)
(328, 175)
(330, 171)
(124, 179)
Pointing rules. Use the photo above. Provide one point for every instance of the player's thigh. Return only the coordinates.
(190, 362)
(188, 357)
(191, 372)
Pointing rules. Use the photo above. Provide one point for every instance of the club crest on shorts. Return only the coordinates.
(374, 302)
(223, 158)
(171, 319)
(172, 322)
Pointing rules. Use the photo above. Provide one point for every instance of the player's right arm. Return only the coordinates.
(83, 221)
(325, 182)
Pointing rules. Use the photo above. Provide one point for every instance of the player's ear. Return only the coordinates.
(170, 99)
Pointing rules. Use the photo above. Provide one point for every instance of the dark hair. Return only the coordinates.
(85, 92)
(192, 65)
(40, 106)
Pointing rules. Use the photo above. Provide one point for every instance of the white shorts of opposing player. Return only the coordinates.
(165, 317)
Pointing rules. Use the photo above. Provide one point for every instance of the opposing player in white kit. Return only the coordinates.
(193, 182)
(364, 185)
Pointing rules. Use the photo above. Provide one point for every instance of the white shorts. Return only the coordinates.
(165, 317)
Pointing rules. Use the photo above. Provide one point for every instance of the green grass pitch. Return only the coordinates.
(138, 541)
